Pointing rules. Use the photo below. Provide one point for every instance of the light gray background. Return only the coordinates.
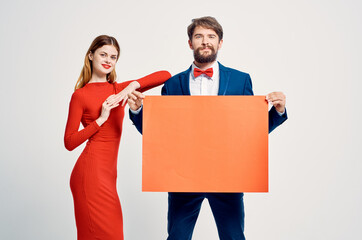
(310, 50)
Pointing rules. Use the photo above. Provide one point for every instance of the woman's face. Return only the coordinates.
(104, 59)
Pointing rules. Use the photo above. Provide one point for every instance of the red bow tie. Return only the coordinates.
(198, 72)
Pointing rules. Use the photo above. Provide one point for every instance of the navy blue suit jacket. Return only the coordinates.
(232, 82)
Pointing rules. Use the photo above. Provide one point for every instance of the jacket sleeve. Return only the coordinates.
(274, 118)
(137, 119)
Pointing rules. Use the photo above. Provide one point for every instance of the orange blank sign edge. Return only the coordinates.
(205, 144)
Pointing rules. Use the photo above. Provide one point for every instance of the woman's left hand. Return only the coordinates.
(122, 96)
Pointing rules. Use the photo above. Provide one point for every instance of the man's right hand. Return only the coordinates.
(135, 100)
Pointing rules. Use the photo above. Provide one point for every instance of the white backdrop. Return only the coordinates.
(310, 50)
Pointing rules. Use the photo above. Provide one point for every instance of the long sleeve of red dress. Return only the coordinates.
(72, 137)
(82, 104)
(150, 81)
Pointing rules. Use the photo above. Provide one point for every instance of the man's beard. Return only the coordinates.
(205, 59)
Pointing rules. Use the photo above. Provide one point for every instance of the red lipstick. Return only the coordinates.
(106, 66)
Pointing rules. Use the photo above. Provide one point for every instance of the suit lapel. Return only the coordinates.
(224, 79)
(185, 82)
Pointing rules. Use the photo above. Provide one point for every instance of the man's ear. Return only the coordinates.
(220, 43)
(190, 45)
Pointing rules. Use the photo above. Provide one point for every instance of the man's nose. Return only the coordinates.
(205, 41)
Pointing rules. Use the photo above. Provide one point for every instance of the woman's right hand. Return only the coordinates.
(110, 103)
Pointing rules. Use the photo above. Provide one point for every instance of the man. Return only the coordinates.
(208, 77)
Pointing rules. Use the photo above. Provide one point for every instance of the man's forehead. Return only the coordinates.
(204, 30)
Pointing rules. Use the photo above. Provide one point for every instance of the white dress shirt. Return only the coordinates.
(203, 84)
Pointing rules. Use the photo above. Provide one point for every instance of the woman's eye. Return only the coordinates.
(114, 58)
(103, 55)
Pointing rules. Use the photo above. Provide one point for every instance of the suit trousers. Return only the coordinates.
(227, 208)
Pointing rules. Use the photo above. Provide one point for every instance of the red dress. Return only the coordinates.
(97, 208)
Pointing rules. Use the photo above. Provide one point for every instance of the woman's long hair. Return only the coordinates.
(87, 70)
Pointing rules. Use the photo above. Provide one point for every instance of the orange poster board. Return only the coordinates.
(205, 144)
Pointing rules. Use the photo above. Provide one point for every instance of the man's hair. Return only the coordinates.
(206, 22)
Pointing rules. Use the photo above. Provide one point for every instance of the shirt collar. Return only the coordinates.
(215, 69)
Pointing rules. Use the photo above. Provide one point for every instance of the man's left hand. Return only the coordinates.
(277, 99)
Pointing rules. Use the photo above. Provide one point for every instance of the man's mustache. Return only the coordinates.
(204, 47)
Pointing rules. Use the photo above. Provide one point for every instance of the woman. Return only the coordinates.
(98, 103)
